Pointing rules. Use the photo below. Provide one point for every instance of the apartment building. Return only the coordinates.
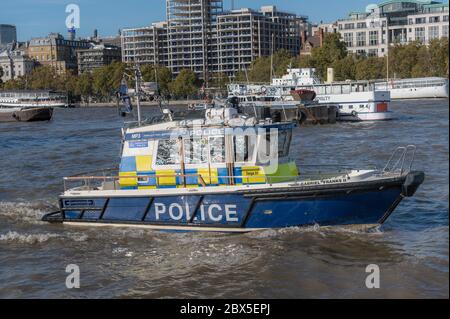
(96, 57)
(394, 21)
(146, 45)
(199, 35)
(244, 35)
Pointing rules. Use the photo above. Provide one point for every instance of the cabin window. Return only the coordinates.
(243, 148)
(284, 142)
(217, 149)
(168, 152)
(195, 151)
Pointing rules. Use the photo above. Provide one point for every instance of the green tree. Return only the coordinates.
(219, 81)
(44, 78)
(185, 84)
(84, 86)
(345, 69)
(370, 68)
(439, 57)
(326, 56)
(164, 77)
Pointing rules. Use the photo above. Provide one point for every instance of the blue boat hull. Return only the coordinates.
(354, 204)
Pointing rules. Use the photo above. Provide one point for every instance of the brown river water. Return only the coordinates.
(411, 249)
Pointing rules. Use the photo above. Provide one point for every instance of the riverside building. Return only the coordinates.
(96, 57)
(203, 37)
(394, 21)
(57, 52)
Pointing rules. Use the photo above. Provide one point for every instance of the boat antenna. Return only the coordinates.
(137, 73)
(246, 75)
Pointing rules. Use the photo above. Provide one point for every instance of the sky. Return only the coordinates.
(34, 18)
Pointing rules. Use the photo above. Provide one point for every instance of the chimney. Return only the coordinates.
(303, 37)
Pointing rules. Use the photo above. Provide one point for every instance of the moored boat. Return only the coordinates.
(415, 88)
(33, 99)
(30, 114)
(229, 172)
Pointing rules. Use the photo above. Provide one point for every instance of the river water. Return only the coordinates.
(411, 249)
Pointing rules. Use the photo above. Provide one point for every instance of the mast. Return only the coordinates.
(387, 54)
(137, 73)
(271, 59)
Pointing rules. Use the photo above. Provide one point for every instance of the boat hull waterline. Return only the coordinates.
(345, 204)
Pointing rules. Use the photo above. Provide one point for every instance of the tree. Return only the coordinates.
(1, 75)
(44, 78)
(333, 50)
(220, 81)
(439, 57)
(345, 69)
(164, 77)
(84, 86)
(370, 68)
(185, 84)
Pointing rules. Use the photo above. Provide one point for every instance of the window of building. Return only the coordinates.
(361, 52)
(373, 52)
(361, 25)
(373, 38)
(420, 34)
(361, 39)
(421, 20)
(433, 32)
(434, 19)
(445, 19)
(348, 39)
(445, 31)
(349, 26)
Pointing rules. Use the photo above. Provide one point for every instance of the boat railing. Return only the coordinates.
(108, 179)
(401, 160)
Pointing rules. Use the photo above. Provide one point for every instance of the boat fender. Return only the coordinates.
(412, 182)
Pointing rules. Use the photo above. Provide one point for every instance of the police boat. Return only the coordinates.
(228, 172)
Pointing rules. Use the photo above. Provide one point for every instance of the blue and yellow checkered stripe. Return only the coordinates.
(141, 166)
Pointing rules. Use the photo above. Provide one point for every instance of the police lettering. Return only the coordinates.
(215, 212)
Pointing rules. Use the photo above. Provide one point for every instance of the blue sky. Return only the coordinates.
(39, 17)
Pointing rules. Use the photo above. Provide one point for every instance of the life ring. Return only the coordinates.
(354, 113)
(263, 89)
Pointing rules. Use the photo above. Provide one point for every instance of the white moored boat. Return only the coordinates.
(357, 100)
(418, 88)
(32, 99)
